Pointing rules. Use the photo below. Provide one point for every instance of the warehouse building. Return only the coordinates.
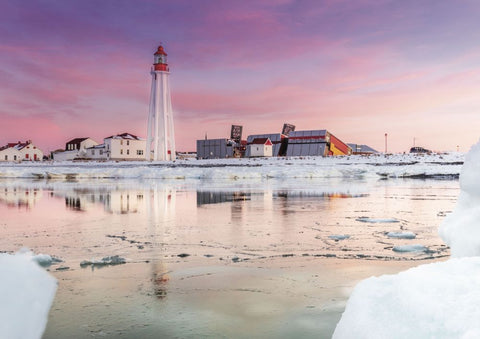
(362, 149)
(215, 148)
(315, 143)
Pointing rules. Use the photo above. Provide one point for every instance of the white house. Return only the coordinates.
(75, 149)
(21, 151)
(10, 154)
(261, 147)
(123, 146)
(97, 152)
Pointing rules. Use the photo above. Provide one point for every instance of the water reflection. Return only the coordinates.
(217, 197)
(18, 197)
(160, 279)
(260, 221)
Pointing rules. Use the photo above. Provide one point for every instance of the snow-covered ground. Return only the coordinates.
(378, 166)
(27, 294)
(437, 300)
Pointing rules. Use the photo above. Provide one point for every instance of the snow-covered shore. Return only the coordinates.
(378, 166)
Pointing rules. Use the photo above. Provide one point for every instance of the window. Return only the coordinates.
(6, 157)
(139, 152)
(101, 152)
(128, 151)
(121, 151)
(14, 157)
(128, 142)
(93, 152)
(121, 142)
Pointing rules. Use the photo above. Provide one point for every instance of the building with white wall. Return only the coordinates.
(21, 151)
(260, 147)
(123, 146)
(10, 154)
(74, 149)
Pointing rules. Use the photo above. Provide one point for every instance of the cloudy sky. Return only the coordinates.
(359, 69)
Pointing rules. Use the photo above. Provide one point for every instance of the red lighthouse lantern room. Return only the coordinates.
(160, 58)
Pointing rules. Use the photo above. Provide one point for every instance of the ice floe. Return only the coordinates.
(44, 260)
(338, 237)
(401, 235)
(377, 221)
(410, 248)
(105, 261)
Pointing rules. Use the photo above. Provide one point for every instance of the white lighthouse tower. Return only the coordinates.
(160, 134)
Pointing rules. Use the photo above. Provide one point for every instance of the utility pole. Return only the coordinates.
(386, 135)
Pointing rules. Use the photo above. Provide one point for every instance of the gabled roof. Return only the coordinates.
(126, 136)
(76, 140)
(261, 141)
(97, 146)
(17, 145)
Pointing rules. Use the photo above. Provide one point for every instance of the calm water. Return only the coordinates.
(217, 259)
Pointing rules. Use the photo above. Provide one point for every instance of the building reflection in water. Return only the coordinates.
(212, 197)
(115, 202)
(19, 197)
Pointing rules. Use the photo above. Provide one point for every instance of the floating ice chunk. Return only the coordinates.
(111, 260)
(337, 237)
(27, 295)
(410, 248)
(44, 260)
(371, 220)
(437, 300)
(401, 235)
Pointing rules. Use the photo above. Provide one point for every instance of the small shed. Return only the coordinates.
(261, 147)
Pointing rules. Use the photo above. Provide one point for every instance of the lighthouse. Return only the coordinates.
(160, 133)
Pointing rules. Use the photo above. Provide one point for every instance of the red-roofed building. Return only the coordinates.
(261, 147)
(20, 151)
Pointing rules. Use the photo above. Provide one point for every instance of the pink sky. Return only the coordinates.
(359, 69)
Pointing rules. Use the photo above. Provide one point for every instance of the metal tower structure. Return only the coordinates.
(160, 133)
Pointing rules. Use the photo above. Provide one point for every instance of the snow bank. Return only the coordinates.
(27, 292)
(430, 301)
(379, 166)
(461, 229)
